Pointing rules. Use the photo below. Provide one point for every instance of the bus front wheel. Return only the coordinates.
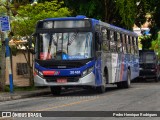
(55, 90)
(101, 89)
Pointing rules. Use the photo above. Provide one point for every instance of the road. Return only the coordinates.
(142, 96)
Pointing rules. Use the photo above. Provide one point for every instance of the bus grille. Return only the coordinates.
(69, 79)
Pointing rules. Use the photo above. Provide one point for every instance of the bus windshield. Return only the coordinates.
(64, 46)
(150, 58)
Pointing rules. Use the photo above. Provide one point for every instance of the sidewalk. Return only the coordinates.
(6, 96)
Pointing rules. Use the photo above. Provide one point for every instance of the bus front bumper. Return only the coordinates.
(88, 80)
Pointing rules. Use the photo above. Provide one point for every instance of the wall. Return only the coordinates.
(18, 80)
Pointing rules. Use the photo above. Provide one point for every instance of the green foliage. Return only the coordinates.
(156, 44)
(127, 11)
(90, 8)
(123, 13)
(14, 50)
(25, 21)
(146, 42)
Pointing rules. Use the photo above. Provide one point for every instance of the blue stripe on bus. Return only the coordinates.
(66, 72)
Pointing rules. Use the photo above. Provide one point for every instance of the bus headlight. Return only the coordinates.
(87, 71)
(84, 73)
(90, 70)
(40, 73)
(37, 72)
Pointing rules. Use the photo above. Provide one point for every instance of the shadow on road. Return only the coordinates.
(85, 92)
(141, 80)
(74, 92)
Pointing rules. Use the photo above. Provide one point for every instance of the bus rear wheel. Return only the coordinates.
(55, 90)
(127, 83)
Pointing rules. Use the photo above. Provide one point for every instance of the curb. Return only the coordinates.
(16, 96)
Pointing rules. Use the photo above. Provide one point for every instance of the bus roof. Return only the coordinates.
(78, 17)
(122, 30)
(94, 21)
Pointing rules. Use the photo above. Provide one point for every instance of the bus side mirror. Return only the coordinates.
(98, 37)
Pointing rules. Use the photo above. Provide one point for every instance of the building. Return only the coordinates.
(19, 65)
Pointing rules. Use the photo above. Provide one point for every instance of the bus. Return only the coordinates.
(84, 52)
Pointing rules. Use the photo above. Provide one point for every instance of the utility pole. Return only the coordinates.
(8, 58)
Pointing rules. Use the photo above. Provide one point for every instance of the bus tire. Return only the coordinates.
(55, 90)
(119, 85)
(127, 84)
(106, 76)
(101, 89)
(156, 79)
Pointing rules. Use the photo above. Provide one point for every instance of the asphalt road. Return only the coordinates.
(142, 96)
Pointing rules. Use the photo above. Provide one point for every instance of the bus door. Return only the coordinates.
(103, 67)
(110, 67)
(109, 60)
(113, 68)
(101, 59)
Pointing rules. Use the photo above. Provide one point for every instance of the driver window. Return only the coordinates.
(44, 46)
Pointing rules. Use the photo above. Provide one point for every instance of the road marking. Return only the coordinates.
(78, 102)
(70, 104)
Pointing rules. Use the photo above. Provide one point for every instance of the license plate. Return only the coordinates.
(62, 80)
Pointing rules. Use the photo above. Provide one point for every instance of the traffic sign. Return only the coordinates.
(5, 25)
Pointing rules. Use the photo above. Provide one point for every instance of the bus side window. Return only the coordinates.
(105, 43)
(119, 44)
(136, 45)
(132, 45)
(128, 44)
(112, 42)
(124, 43)
(121, 41)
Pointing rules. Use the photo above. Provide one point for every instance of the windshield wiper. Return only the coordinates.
(73, 37)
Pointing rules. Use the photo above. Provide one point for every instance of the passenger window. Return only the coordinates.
(105, 36)
(112, 42)
(124, 43)
(128, 44)
(119, 44)
(104, 33)
(136, 45)
(111, 35)
(132, 45)
(105, 45)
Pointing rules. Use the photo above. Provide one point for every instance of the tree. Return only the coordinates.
(154, 10)
(27, 17)
(123, 13)
(3, 10)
